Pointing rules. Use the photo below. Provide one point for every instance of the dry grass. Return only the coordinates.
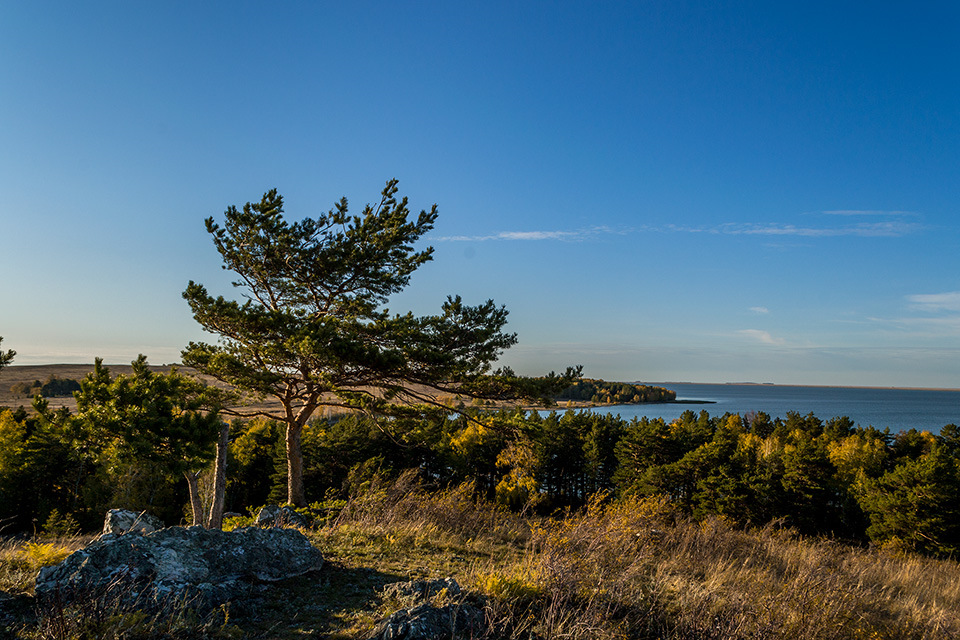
(20, 560)
(771, 583)
(16, 374)
(632, 569)
(628, 569)
(404, 505)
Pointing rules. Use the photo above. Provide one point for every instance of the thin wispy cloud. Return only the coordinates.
(867, 212)
(938, 317)
(895, 224)
(891, 228)
(761, 336)
(580, 234)
(928, 328)
(936, 302)
(760, 310)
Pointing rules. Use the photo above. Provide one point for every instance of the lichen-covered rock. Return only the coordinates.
(274, 516)
(120, 521)
(428, 621)
(420, 590)
(205, 566)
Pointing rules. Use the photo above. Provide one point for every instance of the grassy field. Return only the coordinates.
(14, 375)
(629, 569)
(17, 374)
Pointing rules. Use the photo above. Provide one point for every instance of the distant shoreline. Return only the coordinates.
(15, 365)
(804, 386)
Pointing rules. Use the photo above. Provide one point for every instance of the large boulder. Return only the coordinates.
(120, 521)
(454, 617)
(204, 566)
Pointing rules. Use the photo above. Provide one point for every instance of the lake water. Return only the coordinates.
(898, 409)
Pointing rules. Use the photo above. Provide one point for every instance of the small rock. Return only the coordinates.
(426, 621)
(421, 590)
(121, 521)
(274, 516)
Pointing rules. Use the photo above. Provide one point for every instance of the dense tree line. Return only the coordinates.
(54, 387)
(822, 478)
(130, 443)
(600, 391)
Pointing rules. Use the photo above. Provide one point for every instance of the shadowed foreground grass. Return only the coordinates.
(629, 569)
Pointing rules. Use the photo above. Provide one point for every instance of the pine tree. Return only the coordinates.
(312, 332)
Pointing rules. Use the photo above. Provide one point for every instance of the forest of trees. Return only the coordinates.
(600, 391)
(824, 478)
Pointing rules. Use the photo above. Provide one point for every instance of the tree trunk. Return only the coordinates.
(295, 491)
(296, 495)
(195, 505)
(215, 520)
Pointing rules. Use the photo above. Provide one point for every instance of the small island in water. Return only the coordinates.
(590, 392)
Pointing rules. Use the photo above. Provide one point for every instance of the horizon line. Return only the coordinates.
(591, 377)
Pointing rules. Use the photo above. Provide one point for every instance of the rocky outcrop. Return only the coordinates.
(274, 516)
(452, 618)
(204, 566)
(120, 521)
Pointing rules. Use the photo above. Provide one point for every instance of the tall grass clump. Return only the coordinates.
(20, 560)
(585, 575)
(405, 506)
(115, 615)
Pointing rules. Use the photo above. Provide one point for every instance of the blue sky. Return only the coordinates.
(659, 191)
